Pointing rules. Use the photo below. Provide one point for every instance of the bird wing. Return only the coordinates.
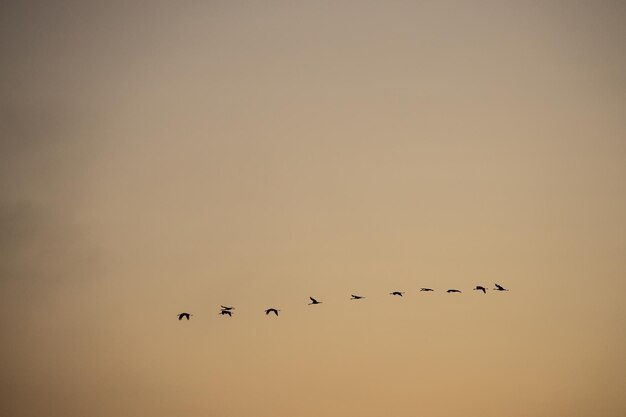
(313, 300)
(498, 286)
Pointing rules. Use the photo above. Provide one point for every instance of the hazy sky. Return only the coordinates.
(159, 157)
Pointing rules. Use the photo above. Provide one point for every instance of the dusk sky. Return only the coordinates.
(165, 157)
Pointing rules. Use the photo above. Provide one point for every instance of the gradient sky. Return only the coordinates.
(159, 157)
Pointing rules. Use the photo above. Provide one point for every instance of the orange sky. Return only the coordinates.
(158, 158)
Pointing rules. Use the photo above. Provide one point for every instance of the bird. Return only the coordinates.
(396, 293)
(184, 315)
(426, 289)
(452, 290)
(314, 301)
(481, 288)
(226, 313)
(356, 297)
(227, 308)
(500, 288)
(272, 310)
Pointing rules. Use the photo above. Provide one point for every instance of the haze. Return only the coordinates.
(161, 157)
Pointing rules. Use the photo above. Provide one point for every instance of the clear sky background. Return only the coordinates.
(159, 157)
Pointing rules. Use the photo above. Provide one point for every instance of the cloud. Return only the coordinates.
(41, 241)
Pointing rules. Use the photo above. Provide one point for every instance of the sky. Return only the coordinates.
(160, 157)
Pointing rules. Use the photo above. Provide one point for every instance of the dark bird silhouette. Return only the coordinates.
(426, 289)
(453, 290)
(314, 301)
(227, 308)
(184, 315)
(271, 310)
(396, 293)
(481, 288)
(500, 288)
(226, 313)
(356, 297)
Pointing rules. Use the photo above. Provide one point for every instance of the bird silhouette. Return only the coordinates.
(356, 297)
(500, 288)
(314, 301)
(184, 315)
(481, 288)
(271, 310)
(227, 308)
(453, 290)
(426, 289)
(396, 293)
(226, 313)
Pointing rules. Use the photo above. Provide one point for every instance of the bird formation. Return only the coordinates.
(228, 310)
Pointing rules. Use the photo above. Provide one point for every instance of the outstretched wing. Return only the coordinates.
(313, 300)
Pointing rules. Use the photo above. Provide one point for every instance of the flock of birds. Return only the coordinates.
(228, 310)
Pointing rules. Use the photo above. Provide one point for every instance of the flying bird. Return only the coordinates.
(426, 289)
(271, 310)
(453, 290)
(314, 301)
(184, 315)
(356, 297)
(226, 313)
(227, 308)
(500, 288)
(481, 288)
(396, 293)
